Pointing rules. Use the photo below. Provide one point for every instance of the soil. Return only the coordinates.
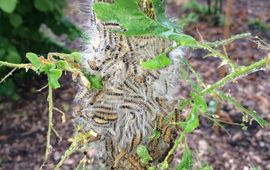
(23, 123)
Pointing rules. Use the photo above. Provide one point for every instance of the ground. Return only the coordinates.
(23, 124)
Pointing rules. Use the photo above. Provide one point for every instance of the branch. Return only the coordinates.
(50, 124)
(8, 75)
(177, 142)
(12, 65)
(223, 57)
(244, 70)
(228, 41)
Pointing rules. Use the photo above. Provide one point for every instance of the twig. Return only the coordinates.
(72, 148)
(57, 134)
(244, 70)
(50, 124)
(8, 75)
(42, 88)
(63, 114)
(12, 65)
(223, 57)
(171, 152)
(229, 40)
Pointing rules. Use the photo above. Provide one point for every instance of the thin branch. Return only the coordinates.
(50, 124)
(12, 65)
(72, 148)
(229, 40)
(8, 75)
(63, 114)
(244, 70)
(223, 57)
(57, 134)
(171, 152)
(42, 88)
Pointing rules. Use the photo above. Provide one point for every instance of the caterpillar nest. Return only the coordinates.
(133, 101)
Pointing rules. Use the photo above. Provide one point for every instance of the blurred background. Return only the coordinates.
(43, 26)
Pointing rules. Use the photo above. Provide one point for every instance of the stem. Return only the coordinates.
(72, 148)
(220, 55)
(25, 66)
(175, 146)
(50, 124)
(228, 41)
(8, 75)
(236, 74)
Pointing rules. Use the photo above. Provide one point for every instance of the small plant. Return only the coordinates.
(258, 25)
(20, 34)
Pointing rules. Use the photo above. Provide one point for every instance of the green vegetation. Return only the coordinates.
(21, 23)
(258, 25)
(211, 12)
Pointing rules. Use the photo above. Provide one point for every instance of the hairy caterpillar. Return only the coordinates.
(124, 113)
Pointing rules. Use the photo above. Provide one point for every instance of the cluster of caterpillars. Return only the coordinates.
(133, 101)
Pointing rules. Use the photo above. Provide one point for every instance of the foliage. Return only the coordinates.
(53, 66)
(196, 7)
(258, 25)
(212, 12)
(195, 104)
(20, 32)
(158, 62)
(186, 162)
(122, 13)
(143, 153)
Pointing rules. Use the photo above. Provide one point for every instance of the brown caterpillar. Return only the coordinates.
(124, 113)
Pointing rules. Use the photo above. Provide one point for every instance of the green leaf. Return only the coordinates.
(53, 77)
(193, 120)
(77, 56)
(33, 58)
(164, 165)
(158, 62)
(151, 168)
(13, 57)
(184, 103)
(8, 5)
(43, 5)
(261, 121)
(136, 23)
(181, 39)
(143, 153)
(62, 65)
(15, 20)
(129, 16)
(95, 81)
(48, 67)
(186, 161)
(199, 101)
(160, 11)
(155, 134)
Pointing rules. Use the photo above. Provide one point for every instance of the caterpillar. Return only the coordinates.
(124, 113)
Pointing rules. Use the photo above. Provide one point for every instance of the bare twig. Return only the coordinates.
(63, 114)
(8, 75)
